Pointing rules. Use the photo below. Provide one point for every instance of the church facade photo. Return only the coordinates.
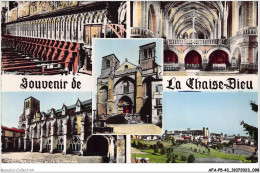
(207, 36)
(129, 93)
(66, 130)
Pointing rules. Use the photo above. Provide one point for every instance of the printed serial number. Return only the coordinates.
(233, 170)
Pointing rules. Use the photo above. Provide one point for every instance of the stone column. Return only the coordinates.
(166, 33)
(121, 149)
(62, 29)
(52, 139)
(53, 29)
(112, 149)
(224, 28)
(128, 149)
(19, 144)
(65, 139)
(32, 139)
(58, 30)
(25, 140)
(68, 30)
(80, 30)
(170, 32)
(42, 142)
(82, 138)
(219, 28)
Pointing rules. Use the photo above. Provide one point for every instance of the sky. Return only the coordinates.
(220, 112)
(122, 48)
(13, 102)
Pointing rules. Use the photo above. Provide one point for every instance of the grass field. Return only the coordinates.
(185, 150)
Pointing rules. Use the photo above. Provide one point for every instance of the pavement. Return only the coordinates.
(136, 129)
(34, 157)
(215, 160)
(136, 151)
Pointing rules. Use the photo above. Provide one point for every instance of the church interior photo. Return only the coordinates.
(208, 36)
(55, 37)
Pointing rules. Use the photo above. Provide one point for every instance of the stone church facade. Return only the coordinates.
(68, 131)
(133, 91)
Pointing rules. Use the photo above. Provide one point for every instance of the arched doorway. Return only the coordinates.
(218, 60)
(193, 60)
(152, 20)
(97, 145)
(125, 105)
(170, 60)
(170, 57)
(23, 126)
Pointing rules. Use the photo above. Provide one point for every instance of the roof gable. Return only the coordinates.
(126, 65)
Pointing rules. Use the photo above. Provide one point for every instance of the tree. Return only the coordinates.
(163, 151)
(191, 158)
(134, 144)
(173, 142)
(251, 130)
(252, 158)
(156, 149)
(171, 158)
(183, 158)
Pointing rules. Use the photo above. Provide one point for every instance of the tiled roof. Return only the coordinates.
(13, 129)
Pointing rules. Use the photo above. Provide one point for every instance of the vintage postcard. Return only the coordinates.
(129, 82)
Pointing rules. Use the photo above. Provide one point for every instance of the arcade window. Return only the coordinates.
(75, 126)
(75, 144)
(158, 102)
(159, 111)
(126, 87)
(92, 31)
(61, 127)
(159, 88)
(145, 53)
(150, 53)
(107, 64)
(49, 130)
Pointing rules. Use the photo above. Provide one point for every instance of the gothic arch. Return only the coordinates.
(152, 19)
(122, 13)
(193, 60)
(125, 105)
(124, 78)
(97, 145)
(174, 56)
(219, 48)
(190, 49)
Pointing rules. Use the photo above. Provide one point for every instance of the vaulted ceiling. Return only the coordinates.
(184, 14)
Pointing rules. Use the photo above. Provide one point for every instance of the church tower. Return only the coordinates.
(110, 63)
(147, 56)
(31, 106)
(105, 97)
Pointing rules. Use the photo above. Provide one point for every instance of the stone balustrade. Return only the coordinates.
(247, 31)
(197, 41)
(138, 32)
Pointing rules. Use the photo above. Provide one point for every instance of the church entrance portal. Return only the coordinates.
(125, 105)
